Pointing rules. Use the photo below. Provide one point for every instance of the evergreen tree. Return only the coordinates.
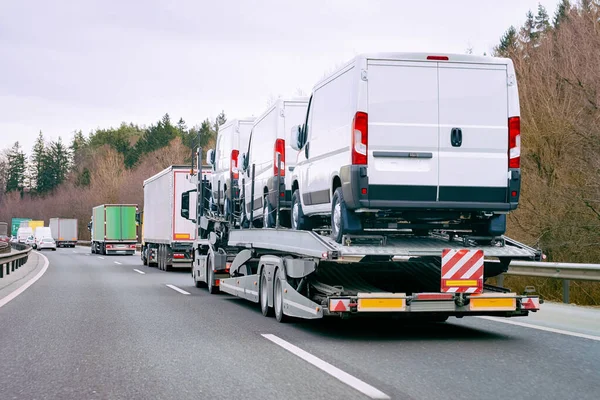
(181, 127)
(36, 161)
(562, 12)
(220, 120)
(59, 156)
(542, 20)
(16, 168)
(509, 43)
(528, 31)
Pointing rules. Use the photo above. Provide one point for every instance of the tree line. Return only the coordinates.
(50, 164)
(108, 165)
(557, 59)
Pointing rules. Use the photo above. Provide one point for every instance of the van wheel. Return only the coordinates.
(298, 220)
(268, 217)
(342, 220)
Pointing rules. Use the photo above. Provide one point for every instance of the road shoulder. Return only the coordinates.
(20, 277)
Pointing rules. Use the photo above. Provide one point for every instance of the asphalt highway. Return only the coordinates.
(106, 327)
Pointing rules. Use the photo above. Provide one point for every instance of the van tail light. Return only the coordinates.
(514, 142)
(360, 138)
(233, 167)
(279, 149)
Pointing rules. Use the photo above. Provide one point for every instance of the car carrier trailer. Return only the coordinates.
(304, 274)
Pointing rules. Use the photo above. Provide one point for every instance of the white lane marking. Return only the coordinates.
(139, 272)
(543, 328)
(102, 258)
(337, 373)
(73, 251)
(116, 262)
(177, 289)
(30, 282)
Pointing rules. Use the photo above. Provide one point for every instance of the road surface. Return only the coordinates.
(106, 327)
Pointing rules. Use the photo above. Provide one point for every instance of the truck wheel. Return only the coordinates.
(298, 220)
(212, 289)
(144, 254)
(93, 248)
(342, 220)
(263, 294)
(268, 214)
(278, 298)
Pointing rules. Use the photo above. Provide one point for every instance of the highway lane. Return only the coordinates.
(92, 328)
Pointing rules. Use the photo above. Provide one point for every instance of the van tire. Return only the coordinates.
(268, 218)
(343, 221)
(298, 220)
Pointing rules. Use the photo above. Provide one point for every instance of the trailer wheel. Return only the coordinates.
(278, 299)
(263, 294)
(144, 254)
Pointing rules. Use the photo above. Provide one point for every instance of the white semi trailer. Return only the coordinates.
(167, 238)
(64, 231)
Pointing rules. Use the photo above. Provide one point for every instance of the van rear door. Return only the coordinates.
(473, 160)
(403, 130)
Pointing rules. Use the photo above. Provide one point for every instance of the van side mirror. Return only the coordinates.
(90, 226)
(210, 156)
(296, 138)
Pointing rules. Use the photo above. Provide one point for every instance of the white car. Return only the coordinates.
(30, 241)
(225, 160)
(270, 138)
(410, 140)
(47, 243)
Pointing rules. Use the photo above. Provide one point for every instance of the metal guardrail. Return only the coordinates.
(564, 271)
(13, 260)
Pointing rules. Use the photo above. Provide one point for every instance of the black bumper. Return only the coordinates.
(358, 193)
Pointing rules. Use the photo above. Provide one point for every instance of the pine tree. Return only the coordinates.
(36, 161)
(59, 156)
(528, 31)
(220, 120)
(16, 168)
(181, 127)
(509, 43)
(562, 12)
(542, 20)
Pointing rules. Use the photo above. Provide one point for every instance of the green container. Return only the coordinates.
(114, 222)
(16, 224)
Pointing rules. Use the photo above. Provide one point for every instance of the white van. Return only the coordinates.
(40, 233)
(226, 159)
(23, 234)
(428, 139)
(267, 140)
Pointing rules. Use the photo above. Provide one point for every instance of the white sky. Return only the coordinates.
(84, 64)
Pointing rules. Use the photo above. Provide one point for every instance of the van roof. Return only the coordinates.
(280, 102)
(230, 122)
(417, 56)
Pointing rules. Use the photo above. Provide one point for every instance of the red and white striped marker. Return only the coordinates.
(462, 271)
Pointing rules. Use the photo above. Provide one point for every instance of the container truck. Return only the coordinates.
(64, 231)
(167, 238)
(16, 224)
(114, 229)
(385, 272)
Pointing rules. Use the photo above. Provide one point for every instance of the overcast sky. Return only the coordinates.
(84, 64)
